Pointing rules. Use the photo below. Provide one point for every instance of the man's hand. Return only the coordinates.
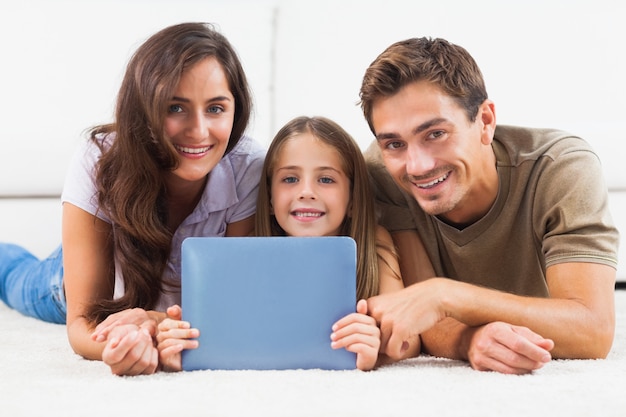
(508, 349)
(403, 315)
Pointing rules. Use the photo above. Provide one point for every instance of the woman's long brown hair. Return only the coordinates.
(129, 176)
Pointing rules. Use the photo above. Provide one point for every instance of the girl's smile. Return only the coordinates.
(310, 192)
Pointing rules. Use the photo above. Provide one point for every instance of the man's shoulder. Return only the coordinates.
(524, 143)
(372, 155)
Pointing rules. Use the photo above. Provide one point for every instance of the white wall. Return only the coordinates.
(548, 63)
(63, 61)
(552, 63)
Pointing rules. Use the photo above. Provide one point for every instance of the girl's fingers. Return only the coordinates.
(168, 324)
(356, 327)
(357, 335)
(177, 333)
(353, 318)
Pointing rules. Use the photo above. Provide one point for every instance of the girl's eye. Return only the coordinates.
(175, 108)
(290, 180)
(326, 180)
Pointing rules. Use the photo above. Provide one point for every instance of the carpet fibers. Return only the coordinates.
(41, 376)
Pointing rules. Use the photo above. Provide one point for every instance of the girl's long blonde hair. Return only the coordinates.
(360, 224)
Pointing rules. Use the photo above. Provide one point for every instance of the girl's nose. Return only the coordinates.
(306, 190)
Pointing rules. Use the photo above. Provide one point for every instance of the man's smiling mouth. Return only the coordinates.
(433, 182)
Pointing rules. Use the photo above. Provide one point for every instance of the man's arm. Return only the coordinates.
(450, 316)
(579, 316)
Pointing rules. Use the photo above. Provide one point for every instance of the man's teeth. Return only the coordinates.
(307, 214)
(192, 150)
(433, 182)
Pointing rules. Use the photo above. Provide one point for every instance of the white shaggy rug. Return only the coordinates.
(41, 376)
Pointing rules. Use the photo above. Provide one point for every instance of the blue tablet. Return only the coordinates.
(267, 302)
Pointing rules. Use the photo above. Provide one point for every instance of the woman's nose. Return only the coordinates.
(198, 127)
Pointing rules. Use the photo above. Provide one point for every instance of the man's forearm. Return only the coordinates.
(448, 339)
(579, 319)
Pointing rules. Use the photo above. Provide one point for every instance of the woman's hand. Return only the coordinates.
(173, 337)
(130, 350)
(358, 333)
(136, 316)
(129, 337)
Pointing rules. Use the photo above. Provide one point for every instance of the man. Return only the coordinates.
(507, 247)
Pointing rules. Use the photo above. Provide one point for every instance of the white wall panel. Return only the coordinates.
(63, 61)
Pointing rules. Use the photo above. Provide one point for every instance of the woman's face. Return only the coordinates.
(310, 192)
(200, 119)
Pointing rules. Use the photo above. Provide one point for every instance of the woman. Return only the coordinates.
(175, 163)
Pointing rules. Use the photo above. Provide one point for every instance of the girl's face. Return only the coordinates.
(200, 119)
(310, 191)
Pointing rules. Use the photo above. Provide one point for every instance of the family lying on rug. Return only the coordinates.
(475, 242)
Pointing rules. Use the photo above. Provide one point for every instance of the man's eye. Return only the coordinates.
(394, 145)
(437, 134)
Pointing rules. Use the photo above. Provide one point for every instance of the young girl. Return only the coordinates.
(315, 183)
(174, 164)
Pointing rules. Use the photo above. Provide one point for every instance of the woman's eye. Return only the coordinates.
(175, 108)
(215, 109)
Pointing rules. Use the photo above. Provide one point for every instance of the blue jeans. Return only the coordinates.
(31, 286)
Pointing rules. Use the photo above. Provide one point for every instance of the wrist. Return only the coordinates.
(157, 316)
(446, 293)
(464, 342)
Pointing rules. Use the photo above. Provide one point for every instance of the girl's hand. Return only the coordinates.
(136, 316)
(173, 337)
(130, 350)
(358, 333)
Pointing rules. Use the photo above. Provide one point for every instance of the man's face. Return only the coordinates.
(435, 153)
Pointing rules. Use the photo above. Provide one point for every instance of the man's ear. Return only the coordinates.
(487, 116)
